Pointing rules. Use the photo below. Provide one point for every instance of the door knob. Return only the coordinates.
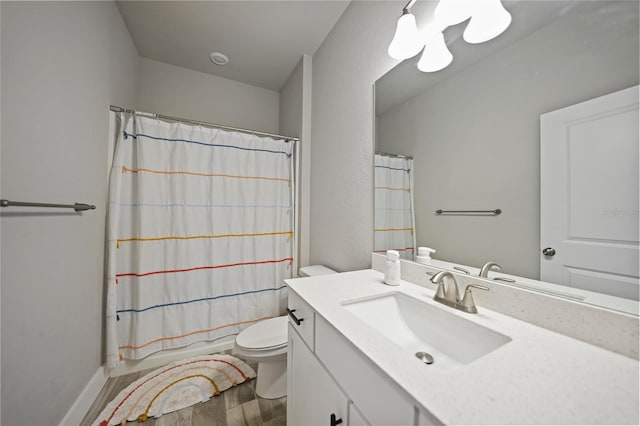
(549, 252)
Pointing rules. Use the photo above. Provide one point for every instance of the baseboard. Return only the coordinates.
(84, 401)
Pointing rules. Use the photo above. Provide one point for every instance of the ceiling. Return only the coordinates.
(264, 40)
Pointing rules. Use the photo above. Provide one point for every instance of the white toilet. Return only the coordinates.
(266, 343)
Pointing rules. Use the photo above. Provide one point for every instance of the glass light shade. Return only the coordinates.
(406, 42)
(452, 12)
(436, 55)
(489, 21)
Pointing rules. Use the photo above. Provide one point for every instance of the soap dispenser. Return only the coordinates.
(392, 268)
(424, 255)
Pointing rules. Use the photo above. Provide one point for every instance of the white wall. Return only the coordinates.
(345, 67)
(291, 103)
(295, 120)
(179, 92)
(0, 220)
(475, 137)
(63, 63)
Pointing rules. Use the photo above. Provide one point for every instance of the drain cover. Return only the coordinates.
(424, 357)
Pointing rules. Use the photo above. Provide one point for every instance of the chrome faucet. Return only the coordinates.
(445, 292)
(450, 295)
(489, 266)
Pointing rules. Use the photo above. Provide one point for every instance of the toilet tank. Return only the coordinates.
(314, 270)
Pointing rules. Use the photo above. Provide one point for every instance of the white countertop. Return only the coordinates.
(540, 377)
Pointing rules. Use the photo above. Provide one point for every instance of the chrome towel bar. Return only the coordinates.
(495, 212)
(77, 206)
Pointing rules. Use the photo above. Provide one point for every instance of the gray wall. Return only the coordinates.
(345, 67)
(295, 120)
(291, 103)
(0, 219)
(171, 90)
(475, 136)
(63, 63)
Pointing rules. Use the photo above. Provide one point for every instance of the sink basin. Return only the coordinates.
(417, 326)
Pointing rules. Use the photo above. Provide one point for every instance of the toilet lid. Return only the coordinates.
(264, 334)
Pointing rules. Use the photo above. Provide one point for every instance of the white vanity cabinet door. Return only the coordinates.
(301, 318)
(426, 419)
(312, 395)
(377, 397)
(355, 417)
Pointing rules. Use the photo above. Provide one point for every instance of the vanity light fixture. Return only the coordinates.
(406, 41)
(487, 19)
(436, 55)
(487, 22)
(453, 12)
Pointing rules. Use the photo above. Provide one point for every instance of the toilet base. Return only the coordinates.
(271, 382)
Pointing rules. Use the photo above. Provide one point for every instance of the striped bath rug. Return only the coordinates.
(175, 386)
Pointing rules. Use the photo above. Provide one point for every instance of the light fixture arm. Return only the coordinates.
(407, 8)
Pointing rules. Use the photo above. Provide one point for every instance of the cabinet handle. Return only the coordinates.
(294, 317)
(334, 421)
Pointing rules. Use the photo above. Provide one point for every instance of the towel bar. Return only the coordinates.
(495, 212)
(77, 206)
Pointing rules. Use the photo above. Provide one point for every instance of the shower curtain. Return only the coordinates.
(394, 217)
(200, 234)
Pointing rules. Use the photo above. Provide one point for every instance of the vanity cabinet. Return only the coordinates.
(355, 417)
(313, 397)
(354, 356)
(379, 399)
(301, 317)
(328, 376)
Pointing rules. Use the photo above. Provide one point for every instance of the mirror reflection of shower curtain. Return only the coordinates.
(200, 234)
(394, 214)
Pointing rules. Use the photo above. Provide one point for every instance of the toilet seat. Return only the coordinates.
(266, 342)
(265, 335)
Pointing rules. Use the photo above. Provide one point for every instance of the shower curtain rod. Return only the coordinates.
(384, 154)
(202, 123)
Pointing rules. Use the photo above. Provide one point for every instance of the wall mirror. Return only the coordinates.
(471, 135)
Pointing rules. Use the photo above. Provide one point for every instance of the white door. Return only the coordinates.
(589, 195)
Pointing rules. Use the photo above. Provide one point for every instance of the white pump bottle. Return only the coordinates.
(392, 268)
(424, 255)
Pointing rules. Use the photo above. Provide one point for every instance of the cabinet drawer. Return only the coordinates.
(380, 400)
(301, 317)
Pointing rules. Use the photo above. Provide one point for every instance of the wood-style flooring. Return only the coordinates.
(237, 406)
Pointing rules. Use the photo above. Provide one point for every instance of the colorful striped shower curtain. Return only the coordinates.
(200, 234)
(394, 217)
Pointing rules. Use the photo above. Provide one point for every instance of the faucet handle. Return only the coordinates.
(461, 269)
(467, 303)
(489, 266)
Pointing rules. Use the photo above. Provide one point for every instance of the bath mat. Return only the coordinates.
(175, 386)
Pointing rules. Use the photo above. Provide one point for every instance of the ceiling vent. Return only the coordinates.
(218, 58)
